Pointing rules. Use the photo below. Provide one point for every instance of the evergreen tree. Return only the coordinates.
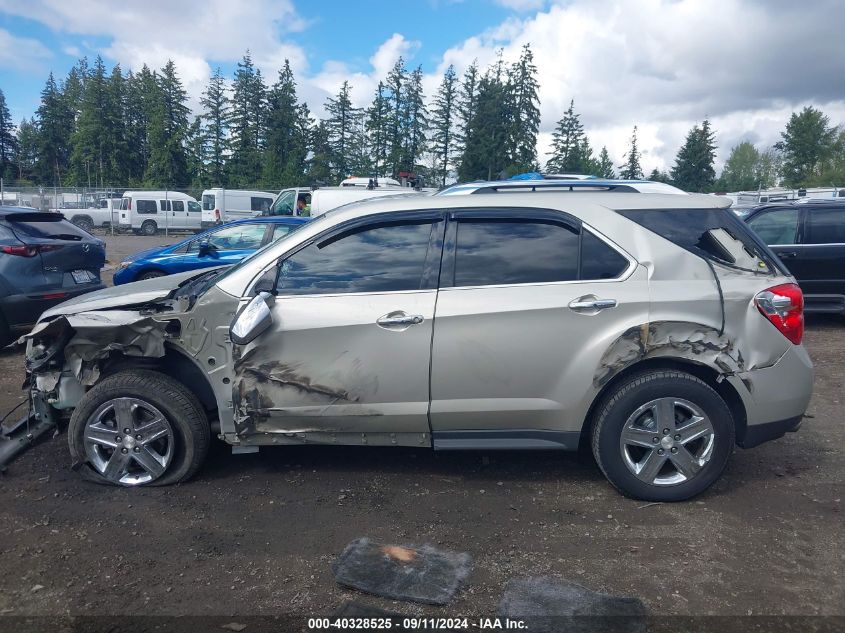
(807, 144)
(287, 133)
(377, 126)
(693, 170)
(55, 122)
(247, 124)
(659, 176)
(395, 122)
(27, 154)
(88, 160)
(319, 167)
(340, 130)
(8, 140)
(415, 121)
(168, 129)
(604, 166)
(571, 152)
(467, 103)
(485, 154)
(196, 155)
(215, 117)
(741, 171)
(442, 124)
(524, 112)
(632, 170)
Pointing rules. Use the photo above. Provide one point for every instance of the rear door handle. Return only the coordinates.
(399, 319)
(592, 304)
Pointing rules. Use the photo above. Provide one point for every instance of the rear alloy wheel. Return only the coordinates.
(149, 228)
(663, 436)
(139, 427)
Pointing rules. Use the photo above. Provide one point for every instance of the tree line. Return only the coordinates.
(98, 127)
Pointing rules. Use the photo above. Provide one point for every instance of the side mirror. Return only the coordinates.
(204, 248)
(253, 320)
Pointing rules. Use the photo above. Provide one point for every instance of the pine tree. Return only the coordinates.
(320, 164)
(807, 144)
(443, 123)
(196, 155)
(659, 176)
(340, 130)
(8, 140)
(415, 121)
(168, 128)
(27, 155)
(215, 117)
(55, 123)
(524, 111)
(632, 170)
(467, 103)
(287, 133)
(396, 124)
(87, 155)
(571, 152)
(377, 125)
(604, 166)
(247, 124)
(693, 170)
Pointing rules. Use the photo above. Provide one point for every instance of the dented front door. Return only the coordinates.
(349, 349)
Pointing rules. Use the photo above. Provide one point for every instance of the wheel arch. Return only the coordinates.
(703, 372)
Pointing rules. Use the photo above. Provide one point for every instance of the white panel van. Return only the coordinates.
(149, 212)
(224, 205)
(319, 201)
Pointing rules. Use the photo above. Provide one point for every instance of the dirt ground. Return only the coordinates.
(256, 534)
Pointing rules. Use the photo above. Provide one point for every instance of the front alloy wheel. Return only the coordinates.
(129, 442)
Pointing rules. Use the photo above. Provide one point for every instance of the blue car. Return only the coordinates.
(223, 245)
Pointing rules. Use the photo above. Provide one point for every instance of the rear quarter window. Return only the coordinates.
(146, 206)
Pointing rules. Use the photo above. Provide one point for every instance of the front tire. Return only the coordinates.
(139, 427)
(84, 223)
(151, 274)
(149, 228)
(663, 436)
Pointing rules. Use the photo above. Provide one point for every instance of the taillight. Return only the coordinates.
(20, 251)
(30, 251)
(217, 214)
(784, 306)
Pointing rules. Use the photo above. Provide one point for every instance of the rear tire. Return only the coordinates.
(169, 431)
(84, 223)
(149, 227)
(663, 436)
(150, 274)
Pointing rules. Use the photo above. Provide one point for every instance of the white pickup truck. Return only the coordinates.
(101, 216)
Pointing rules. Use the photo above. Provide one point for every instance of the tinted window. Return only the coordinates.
(51, 229)
(598, 260)
(240, 237)
(383, 258)
(776, 227)
(260, 204)
(827, 226)
(146, 206)
(178, 205)
(514, 252)
(692, 229)
(208, 202)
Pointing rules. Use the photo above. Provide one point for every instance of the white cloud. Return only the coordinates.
(22, 54)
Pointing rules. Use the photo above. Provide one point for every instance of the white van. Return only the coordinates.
(149, 212)
(318, 201)
(359, 181)
(224, 205)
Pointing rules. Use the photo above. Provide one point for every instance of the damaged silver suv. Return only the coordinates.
(656, 329)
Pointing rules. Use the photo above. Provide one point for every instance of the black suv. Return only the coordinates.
(809, 237)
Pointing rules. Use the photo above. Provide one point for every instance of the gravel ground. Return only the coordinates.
(256, 534)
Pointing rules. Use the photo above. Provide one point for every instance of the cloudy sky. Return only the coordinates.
(660, 64)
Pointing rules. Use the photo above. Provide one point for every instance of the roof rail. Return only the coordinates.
(557, 185)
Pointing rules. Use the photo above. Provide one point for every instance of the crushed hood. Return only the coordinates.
(135, 293)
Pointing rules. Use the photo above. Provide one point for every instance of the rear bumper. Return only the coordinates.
(775, 397)
(23, 310)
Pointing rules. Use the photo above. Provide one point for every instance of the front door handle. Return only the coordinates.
(399, 319)
(788, 255)
(592, 304)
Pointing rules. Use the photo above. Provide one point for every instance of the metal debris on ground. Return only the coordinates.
(552, 605)
(414, 573)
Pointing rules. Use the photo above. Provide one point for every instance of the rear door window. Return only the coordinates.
(493, 252)
(826, 226)
(599, 260)
(208, 202)
(779, 226)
